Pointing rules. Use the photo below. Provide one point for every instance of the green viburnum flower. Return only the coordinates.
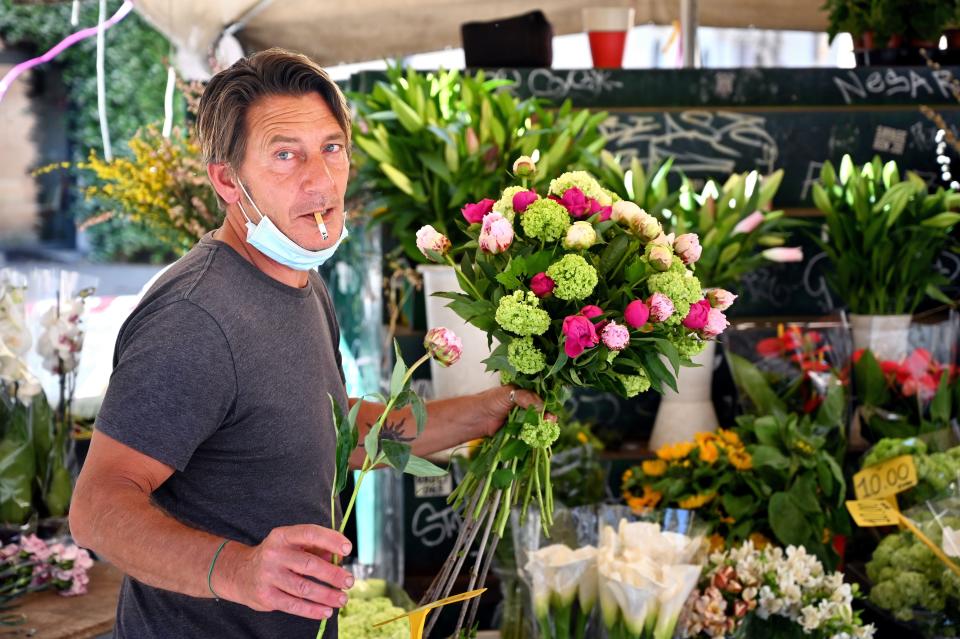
(541, 434)
(520, 313)
(574, 277)
(680, 286)
(545, 220)
(583, 181)
(504, 205)
(635, 384)
(525, 357)
(690, 347)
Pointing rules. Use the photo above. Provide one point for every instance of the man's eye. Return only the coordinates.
(285, 155)
(333, 148)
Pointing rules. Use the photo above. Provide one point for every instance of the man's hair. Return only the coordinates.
(221, 117)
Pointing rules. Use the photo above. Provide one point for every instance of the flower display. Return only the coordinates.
(546, 220)
(430, 239)
(32, 565)
(521, 314)
(542, 285)
(496, 233)
(580, 236)
(473, 213)
(443, 345)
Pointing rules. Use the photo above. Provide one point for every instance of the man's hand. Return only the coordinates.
(279, 574)
(495, 405)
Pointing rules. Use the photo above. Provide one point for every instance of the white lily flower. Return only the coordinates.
(539, 567)
(627, 595)
(679, 580)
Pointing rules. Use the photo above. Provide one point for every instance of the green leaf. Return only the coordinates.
(419, 467)
(509, 280)
(740, 506)
(869, 380)
(750, 380)
(804, 494)
(768, 188)
(820, 199)
(943, 220)
(940, 406)
(398, 453)
(399, 372)
(729, 252)
(503, 478)
(787, 520)
(768, 457)
(767, 430)
(613, 253)
(419, 412)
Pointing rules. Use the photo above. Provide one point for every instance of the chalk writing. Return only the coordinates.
(432, 527)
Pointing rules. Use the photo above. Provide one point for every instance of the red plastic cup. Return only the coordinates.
(607, 29)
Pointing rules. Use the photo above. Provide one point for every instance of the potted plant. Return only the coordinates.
(883, 236)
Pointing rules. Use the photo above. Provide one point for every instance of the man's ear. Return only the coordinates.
(224, 182)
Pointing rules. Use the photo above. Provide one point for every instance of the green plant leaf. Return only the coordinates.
(942, 220)
(399, 371)
(398, 453)
(787, 520)
(419, 410)
(419, 467)
(750, 380)
(503, 478)
(768, 457)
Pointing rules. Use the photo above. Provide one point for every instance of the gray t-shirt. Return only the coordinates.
(224, 373)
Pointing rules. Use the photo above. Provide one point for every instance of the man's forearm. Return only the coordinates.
(122, 526)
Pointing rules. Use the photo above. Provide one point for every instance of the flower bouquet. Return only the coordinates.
(33, 564)
(751, 591)
(578, 289)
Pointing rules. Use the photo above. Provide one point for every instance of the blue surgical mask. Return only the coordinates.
(271, 241)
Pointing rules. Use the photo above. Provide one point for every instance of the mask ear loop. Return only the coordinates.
(240, 203)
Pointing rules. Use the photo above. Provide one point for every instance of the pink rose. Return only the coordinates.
(784, 254)
(688, 247)
(749, 223)
(636, 314)
(661, 307)
(473, 213)
(443, 345)
(581, 334)
(697, 317)
(430, 239)
(716, 323)
(575, 202)
(496, 235)
(542, 285)
(523, 199)
(721, 299)
(615, 336)
(590, 311)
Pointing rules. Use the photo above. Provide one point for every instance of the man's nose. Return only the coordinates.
(317, 178)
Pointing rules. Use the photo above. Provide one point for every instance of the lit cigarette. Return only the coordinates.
(320, 225)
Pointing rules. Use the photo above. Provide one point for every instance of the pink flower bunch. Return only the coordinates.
(706, 317)
(60, 566)
(719, 608)
(580, 206)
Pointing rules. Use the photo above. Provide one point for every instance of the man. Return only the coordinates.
(209, 473)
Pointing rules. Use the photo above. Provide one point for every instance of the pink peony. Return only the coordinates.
(35, 546)
(688, 247)
(473, 213)
(443, 345)
(581, 334)
(636, 314)
(542, 285)
(524, 166)
(605, 211)
(430, 239)
(697, 317)
(496, 235)
(661, 257)
(523, 199)
(615, 336)
(784, 254)
(749, 223)
(575, 202)
(661, 307)
(590, 311)
(716, 323)
(721, 299)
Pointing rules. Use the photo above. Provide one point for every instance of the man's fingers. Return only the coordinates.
(309, 565)
(526, 399)
(316, 538)
(284, 602)
(303, 588)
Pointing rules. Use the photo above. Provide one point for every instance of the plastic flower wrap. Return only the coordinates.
(749, 591)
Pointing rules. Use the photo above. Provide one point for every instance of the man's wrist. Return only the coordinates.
(225, 579)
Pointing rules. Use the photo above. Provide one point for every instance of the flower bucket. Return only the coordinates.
(887, 336)
(683, 414)
(469, 375)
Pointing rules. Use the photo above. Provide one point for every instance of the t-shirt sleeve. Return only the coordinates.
(172, 385)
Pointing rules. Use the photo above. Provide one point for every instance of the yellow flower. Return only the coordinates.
(627, 475)
(709, 452)
(654, 467)
(704, 438)
(647, 501)
(803, 447)
(759, 541)
(717, 542)
(696, 501)
(740, 459)
(728, 520)
(729, 437)
(679, 450)
(582, 437)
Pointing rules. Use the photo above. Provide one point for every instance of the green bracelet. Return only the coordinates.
(210, 572)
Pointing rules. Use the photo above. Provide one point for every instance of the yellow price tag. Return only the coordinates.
(418, 618)
(889, 478)
(873, 512)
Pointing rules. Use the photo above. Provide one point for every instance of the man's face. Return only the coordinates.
(295, 164)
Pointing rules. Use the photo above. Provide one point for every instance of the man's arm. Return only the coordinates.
(111, 514)
(450, 422)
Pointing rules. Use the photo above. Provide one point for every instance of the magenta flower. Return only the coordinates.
(716, 323)
(542, 285)
(443, 345)
(590, 311)
(661, 307)
(688, 247)
(473, 213)
(581, 334)
(523, 199)
(697, 317)
(615, 336)
(749, 223)
(784, 254)
(430, 239)
(496, 235)
(575, 202)
(721, 299)
(636, 314)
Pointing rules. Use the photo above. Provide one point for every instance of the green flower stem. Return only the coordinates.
(544, 624)
(581, 624)
(562, 621)
(488, 483)
(473, 291)
(504, 515)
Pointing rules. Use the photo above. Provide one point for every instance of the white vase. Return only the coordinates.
(683, 414)
(887, 336)
(469, 374)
